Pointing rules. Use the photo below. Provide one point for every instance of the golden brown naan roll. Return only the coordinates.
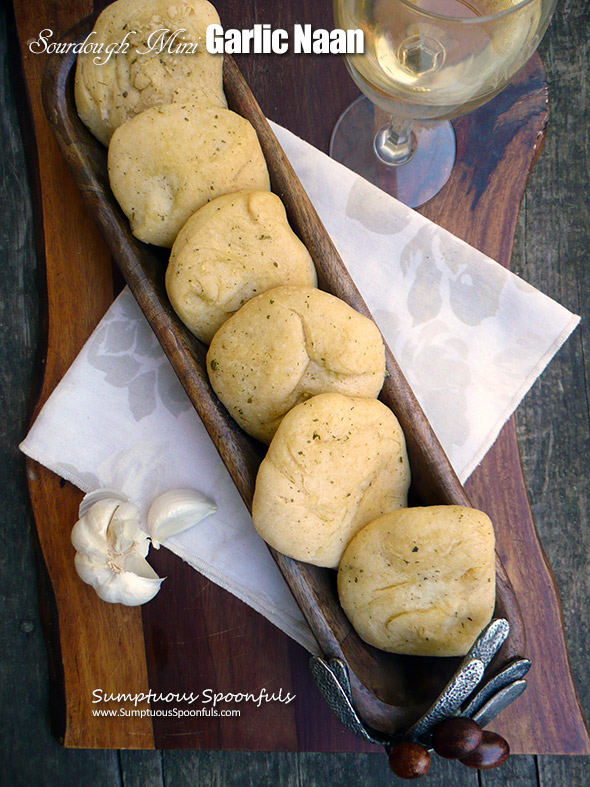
(169, 161)
(233, 248)
(335, 464)
(421, 581)
(151, 71)
(286, 345)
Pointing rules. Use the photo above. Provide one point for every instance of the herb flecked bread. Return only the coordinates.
(420, 581)
(335, 464)
(169, 161)
(286, 345)
(150, 72)
(233, 248)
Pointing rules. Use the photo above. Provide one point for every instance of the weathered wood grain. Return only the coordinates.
(515, 771)
(141, 769)
(336, 770)
(552, 252)
(115, 636)
(558, 771)
(213, 769)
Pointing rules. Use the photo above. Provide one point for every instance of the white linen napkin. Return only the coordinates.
(470, 336)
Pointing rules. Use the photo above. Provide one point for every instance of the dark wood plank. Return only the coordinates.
(552, 253)
(563, 770)
(300, 770)
(516, 770)
(71, 235)
(141, 769)
(351, 769)
(231, 769)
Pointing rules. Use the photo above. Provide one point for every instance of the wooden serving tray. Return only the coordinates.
(379, 680)
(209, 638)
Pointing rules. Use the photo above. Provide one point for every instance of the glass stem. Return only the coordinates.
(395, 144)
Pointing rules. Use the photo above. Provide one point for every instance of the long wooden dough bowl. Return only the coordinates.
(380, 681)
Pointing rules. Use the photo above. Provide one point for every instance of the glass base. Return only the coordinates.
(414, 182)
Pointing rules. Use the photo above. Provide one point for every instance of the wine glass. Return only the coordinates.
(426, 61)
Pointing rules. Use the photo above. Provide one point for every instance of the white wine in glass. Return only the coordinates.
(426, 61)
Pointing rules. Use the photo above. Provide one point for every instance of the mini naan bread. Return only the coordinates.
(286, 345)
(150, 72)
(233, 248)
(335, 464)
(421, 581)
(169, 161)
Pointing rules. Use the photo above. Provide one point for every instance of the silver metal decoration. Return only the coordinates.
(456, 699)
(510, 674)
(498, 702)
(464, 681)
(490, 641)
(332, 680)
(451, 698)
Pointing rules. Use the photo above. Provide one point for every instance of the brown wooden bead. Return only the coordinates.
(456, 737)
(409, 760)
(491, 752)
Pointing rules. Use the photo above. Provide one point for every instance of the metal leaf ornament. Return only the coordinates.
(464, 697)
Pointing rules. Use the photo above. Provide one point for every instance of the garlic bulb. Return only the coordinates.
(176, 511)
(100, 494)
(110, 553)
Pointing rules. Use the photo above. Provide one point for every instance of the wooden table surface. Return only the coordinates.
(553, 429)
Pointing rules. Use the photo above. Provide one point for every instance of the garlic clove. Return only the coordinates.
(139, 565)
(129, 589)
(100, 494)
(132, 587)
(176, 511)
(89, 534)
(91, 569)
(124, 532)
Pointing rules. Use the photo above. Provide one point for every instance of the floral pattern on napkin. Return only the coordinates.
(121, 349)
(448, 312)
